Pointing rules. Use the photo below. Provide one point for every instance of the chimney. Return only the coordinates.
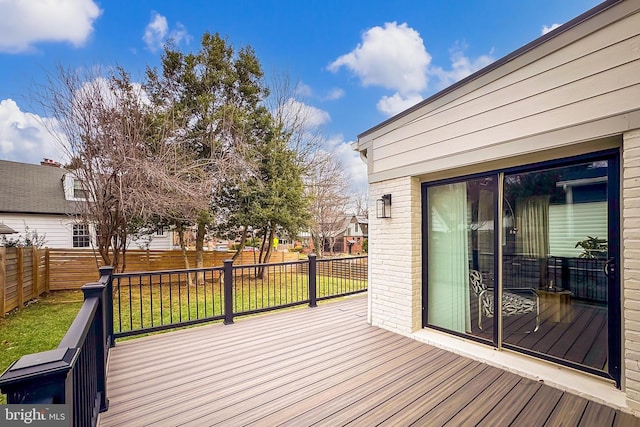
(49, 162)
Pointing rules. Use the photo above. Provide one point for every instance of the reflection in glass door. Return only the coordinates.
(555, 247)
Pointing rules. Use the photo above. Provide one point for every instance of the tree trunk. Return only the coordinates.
(200, 233)
(183, 249)
(265, 251)
(318, 245)
(243, 241)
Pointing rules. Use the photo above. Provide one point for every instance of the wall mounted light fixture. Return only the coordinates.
(383, 206)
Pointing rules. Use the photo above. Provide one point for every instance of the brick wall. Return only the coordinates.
(395, 264)
(631, 266)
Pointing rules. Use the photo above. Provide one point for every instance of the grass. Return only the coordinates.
(37, 327)
(144, 305)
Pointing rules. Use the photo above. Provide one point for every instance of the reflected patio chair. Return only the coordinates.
(512, 303)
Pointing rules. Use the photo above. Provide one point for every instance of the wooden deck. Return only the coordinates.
(323, 366)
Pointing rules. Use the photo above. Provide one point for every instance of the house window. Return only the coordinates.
(543, 238)
(160, 231)
(79, 192)
(81, 237)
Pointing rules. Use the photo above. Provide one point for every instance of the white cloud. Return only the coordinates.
(180, 34)
(25, 23)
(546, 29)
(303, 90)
(392, 105)
(157, 33)
(335, 93)
(312, 117)
(461, 67)
(353, 165)
(393, 57)
(25, 137)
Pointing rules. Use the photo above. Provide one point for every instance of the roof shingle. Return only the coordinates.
(28, 188)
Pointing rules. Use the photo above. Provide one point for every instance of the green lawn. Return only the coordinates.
(37, 327)
(146, 305)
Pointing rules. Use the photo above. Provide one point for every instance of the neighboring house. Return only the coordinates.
(351, 236)
(45, 199)
(348, 237)
(521, 180)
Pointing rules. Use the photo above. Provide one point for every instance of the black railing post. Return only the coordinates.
(98, 290)
(106, 275)
(564, 274)
(228, 291)
(40, 378)
(312, 281)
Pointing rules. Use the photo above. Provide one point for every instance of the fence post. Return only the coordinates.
(312, 281)
(106, 276)
(3, 280)
(46, 270)
(228, 291)
(98, 290)
(35, 288)
(20, 278)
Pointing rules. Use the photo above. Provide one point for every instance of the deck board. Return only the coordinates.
(322, 366)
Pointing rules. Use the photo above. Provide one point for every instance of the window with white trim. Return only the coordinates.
(81, 237)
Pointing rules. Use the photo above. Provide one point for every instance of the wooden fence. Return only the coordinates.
(23, 276)
(72, 268)
(69, 269)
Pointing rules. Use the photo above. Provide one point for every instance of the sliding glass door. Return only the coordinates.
(461, 237)
(526, 259)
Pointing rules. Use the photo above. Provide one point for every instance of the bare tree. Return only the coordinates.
(361, 204)
(131, 167)
(327, 186)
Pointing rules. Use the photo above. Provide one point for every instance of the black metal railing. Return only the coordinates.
(74, 374)
(584, 277)
(153, 301)
(125, 304)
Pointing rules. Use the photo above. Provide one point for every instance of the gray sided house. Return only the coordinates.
(45, 198)
(508, 220)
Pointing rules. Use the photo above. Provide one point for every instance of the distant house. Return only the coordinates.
(45, 198)
(351, 236)
(510, 228)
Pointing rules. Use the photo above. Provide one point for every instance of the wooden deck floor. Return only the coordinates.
(323, 366)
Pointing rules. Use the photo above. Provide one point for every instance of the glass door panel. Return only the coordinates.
(460, 251)
(554, 250)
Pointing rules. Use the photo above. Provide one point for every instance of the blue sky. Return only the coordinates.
(356, 62)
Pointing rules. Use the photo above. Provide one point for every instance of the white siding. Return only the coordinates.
(57, 229)
(584, 90)
(164, 242)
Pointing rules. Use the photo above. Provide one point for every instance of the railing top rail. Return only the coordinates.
(79, 329)
(342, 258)
(159, 272)
(271, 264)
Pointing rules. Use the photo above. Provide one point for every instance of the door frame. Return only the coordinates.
(614, 305)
